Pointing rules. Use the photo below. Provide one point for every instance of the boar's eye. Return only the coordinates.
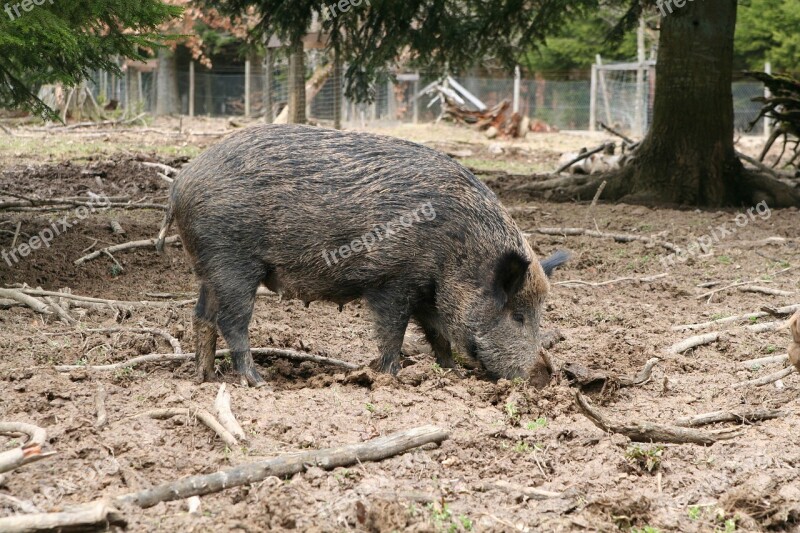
(519, 317)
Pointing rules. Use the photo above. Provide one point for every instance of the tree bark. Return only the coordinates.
(297, 84)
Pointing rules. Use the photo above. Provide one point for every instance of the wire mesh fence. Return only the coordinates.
(565, 104)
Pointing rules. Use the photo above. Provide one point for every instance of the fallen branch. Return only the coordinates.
(766, 380)
(583, 156)
(693, 342)
(743, 416)
(30, 452)
(160, 166)
(643, 376)
(761, 361)
(146, 243)
(25, 299)
(618, 237)
(765, 290)
(650, 432)
(576, 282)
(200, 414)
(783, 311)
(176, 346)
(583, 377)
(287, 465)
(91, 516)
(89, 299)
(171, 357)
(60, 311)
(628, 141)
(223, 406)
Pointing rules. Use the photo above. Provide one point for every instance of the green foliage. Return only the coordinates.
(766, 30)
(62, 41)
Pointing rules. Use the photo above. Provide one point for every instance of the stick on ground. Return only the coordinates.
(693, 342)
(30, 452)
(292, 355)
(287, 465)
(94, 516)
(618, 237)
(146, 243)
(766, 380)
(222, 404)
(651, 432)
(203, 416)
(739, 415)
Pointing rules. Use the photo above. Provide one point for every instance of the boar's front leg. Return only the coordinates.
(392, 311)
(441, 346)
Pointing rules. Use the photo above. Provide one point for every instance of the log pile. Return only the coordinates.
(496, 121)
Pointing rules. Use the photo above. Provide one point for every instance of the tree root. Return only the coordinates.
(651, 432)
(287, 465)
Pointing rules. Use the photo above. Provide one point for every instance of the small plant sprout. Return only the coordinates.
(647, 458)
(539, 423)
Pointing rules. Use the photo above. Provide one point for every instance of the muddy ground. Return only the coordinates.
(499, 432)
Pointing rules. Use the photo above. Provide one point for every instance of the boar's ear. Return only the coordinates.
(554, 261)
(509, 276)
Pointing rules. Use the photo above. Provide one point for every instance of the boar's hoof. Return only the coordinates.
(252, 378)
(387, 367)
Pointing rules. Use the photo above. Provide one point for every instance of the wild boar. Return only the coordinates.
(318, 214)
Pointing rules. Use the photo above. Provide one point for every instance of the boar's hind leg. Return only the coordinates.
(236, 299)
(392, 314)
(205, 333)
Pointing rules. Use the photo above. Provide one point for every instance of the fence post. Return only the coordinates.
(269, 65)
(767, 94)
(247, 88)
(416, 99)
(191, 88)
(639, 127)
(337, 89)
(517, 76)
(593, 100)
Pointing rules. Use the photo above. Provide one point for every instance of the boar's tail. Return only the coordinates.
(554, 261)
(162, 234)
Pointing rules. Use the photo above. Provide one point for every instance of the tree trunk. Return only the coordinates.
(297, 85)
(166, 83)
(687, 156)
